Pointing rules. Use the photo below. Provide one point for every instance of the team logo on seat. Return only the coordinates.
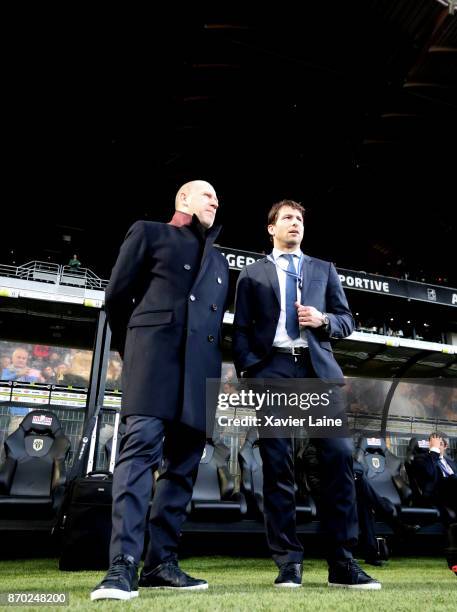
(37, 444)
(41, 419)
(375, 462)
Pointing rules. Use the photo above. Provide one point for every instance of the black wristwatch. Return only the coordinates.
(326, 321)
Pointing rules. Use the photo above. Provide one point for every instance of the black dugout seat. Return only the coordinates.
(252, 482)
(32, 477)
(383, 471)
(214, 496)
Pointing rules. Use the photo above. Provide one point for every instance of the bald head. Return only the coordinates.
(19, 358)
(198, 198)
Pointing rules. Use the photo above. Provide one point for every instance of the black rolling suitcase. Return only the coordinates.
(85, 525)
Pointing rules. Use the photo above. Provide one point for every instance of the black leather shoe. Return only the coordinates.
(289, 575)
(121, 581)
(348, 575)
(170, 576)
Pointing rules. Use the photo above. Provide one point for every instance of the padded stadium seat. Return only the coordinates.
(383, 470)
(32, 477)
(307, 472)
(252, 483)
(214, 496)
(251, 475)
(418, 446)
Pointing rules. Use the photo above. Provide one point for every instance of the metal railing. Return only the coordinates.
(46, 272)
(81, 277)
(6, 270)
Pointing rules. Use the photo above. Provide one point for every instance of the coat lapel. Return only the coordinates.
(209, 242)
(306, 274)
(270, 271)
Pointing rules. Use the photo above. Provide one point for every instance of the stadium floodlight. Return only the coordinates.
(451, 4)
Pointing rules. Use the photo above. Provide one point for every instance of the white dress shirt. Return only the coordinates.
(445, 465)
(282, 339)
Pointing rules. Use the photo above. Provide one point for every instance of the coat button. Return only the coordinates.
(219, 280)
(210, 338)
(214, 307)
(192, 298)
(186, 267)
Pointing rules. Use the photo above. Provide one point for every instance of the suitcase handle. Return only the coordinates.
(102, 473)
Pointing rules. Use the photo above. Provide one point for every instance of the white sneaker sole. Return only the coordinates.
(370, 586)
(112, 594)
(287, 585)
(197, 587)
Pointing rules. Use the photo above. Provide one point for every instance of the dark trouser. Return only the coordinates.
(145, 440)
(447, 497)
(370, 503)
(339, 512)
(451, 549)
(447, 492)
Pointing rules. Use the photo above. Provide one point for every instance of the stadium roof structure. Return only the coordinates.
(38, 282)
(348, 107)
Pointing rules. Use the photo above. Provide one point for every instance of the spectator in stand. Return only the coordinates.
(40, 352)
(449, 406)
(114, 375)
(48, 375)
(60, 372)
(5, 362)
(79, 372)
(74, 263)
(54, 358)
(19, 370)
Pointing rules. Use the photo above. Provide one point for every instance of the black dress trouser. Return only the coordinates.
(338, 512)
(145, 441)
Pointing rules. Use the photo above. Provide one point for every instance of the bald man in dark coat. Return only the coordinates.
(165, 303)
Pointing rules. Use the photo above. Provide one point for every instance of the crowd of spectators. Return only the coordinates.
(52, 365)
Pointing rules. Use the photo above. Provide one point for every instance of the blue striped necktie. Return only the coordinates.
(293, 330)
(445, 467)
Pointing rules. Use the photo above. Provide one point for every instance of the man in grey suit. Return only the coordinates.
(288, 306)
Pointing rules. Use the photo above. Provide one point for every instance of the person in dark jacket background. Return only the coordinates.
(436, 475)
(165, 303)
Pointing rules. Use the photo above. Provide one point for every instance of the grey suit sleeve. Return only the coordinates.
(339, 314)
